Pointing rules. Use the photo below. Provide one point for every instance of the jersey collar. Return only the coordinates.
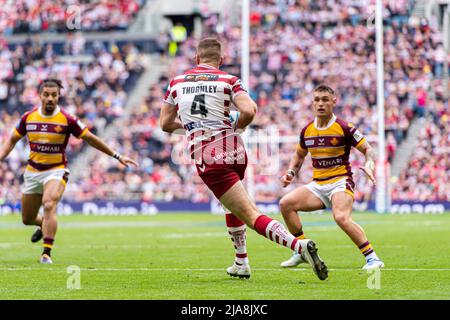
(329, 124)
(55, 112)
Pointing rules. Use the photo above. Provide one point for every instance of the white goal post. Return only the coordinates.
(383, 189)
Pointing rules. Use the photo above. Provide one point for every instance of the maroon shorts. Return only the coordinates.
(222, 163)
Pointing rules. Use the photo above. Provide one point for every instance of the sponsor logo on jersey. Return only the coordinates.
(309, 143)
(321, 142)
(243, 87)
(31, 126)
(357, 135)
(334, 141)
(41, 148)
(201, 77)
(80, 124)
(44, 127)
(200, 166)
(329, 163)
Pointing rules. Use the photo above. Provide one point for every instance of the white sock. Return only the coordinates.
(372, 255)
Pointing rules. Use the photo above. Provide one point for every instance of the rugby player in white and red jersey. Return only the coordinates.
(198, 101)
(48, 129)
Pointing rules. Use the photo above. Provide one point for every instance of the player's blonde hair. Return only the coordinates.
(209, 49)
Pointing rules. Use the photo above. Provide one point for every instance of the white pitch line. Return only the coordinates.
(217, 269)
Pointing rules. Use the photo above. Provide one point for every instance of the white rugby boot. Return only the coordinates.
(46, 259)
(241, 271)
(293, 261)
(373, 263)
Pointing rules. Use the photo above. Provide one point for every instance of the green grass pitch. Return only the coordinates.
(184, 256)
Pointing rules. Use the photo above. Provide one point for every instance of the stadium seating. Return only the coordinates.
(426, 176)
(95, 90)
(317, 46)
(339, 50)
(51, 16)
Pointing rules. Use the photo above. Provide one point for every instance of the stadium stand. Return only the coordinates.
(426, 176)
(96, 88)
(32, 16)
(334, 50)
(317, 46)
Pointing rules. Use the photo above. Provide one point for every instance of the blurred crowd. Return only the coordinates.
(426, 176)
(294, 46)
(95, 89)
(24, 16)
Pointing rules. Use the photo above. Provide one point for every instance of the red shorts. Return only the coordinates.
(222, 163)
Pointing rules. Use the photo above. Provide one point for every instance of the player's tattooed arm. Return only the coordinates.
(9, 145)
(168, 120)
(100, 145)
(294, 166)
(369, 165)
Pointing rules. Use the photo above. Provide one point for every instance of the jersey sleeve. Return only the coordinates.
(21, 127)
(171, 94)
(237, 87)
(301, 143)
(355, 136)
(76, 127)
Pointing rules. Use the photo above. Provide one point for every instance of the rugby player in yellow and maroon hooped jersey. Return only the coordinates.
(328, 139)
(48, 129)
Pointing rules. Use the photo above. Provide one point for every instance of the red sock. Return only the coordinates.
(276, 232)
(236, 230)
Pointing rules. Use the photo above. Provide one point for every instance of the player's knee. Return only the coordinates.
(342, 219)
(27, 220)
(285, 206)
(49, 205)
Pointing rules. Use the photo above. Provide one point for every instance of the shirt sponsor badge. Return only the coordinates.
(80, 124)
(358, 135)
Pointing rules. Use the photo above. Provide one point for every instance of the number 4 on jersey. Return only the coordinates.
(199, 101)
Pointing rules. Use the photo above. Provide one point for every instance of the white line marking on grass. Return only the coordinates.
(194, 235)
(219, 269)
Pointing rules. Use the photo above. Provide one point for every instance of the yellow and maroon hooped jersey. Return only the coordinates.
(48, 137)
(330, 149)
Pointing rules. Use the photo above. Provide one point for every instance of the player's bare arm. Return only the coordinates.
(99, 144)
(9, 146)
(168, 119)
(294, 166)
(369, 165)
(247, 108)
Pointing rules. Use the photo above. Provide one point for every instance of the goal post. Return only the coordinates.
(245, 77)
(382, 180)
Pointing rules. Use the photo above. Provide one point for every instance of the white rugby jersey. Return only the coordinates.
(203, 96)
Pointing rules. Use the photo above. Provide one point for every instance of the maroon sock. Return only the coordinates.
(48, 245)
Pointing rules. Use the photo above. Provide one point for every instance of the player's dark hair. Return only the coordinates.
(51, 83)
(324, 88)
(209, 49)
